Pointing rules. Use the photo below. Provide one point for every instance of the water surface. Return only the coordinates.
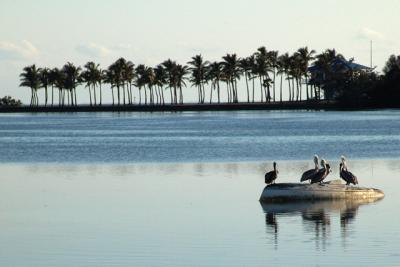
(182, 189)
(198, 137)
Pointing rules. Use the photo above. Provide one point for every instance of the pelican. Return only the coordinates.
(308, 174)
(272, 175)
(347, 176)
(322, 173)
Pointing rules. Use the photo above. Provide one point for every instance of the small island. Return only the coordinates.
(332, 190)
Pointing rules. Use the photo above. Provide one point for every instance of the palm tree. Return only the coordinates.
(30, 77)
(141, 81)
(59, 78)
(72, 80)
(120, 66)
(128, 75)
(305, 56)
(52, 80)
(214, 75)
(262, 68)
(246, 65)
(91, 76)
(170, 68)
(198, 69)
(180, 76)
(160, 81)
(281, 67)
(44, 81)
(273, 61)
(231, 70)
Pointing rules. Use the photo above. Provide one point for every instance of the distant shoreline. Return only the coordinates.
(285, 105)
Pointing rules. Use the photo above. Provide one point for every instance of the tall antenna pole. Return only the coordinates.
(371, 54)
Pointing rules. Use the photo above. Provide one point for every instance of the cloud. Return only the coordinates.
(17, 51)
(367, 33)
(93, 50)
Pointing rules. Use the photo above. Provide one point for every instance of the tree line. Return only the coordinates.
(265, 71)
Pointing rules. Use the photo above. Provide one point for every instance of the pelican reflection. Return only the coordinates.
(316, 217)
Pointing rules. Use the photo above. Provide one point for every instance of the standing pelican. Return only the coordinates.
(308, 174)
(347, 176)
(322, 173)
(272, 175)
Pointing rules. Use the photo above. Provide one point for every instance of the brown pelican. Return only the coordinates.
(322, 173)
(347, 176)
(308, 174)
(272, 175)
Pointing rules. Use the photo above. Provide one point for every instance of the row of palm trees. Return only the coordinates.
(261, 69)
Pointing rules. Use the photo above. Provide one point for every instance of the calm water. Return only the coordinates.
(182, 189)
(197, 137)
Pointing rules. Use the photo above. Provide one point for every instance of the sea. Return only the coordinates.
(183, 189)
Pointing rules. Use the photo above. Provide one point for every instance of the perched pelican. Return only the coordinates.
(272, 175)
(347, 176)
(308, 174)
(322, 173)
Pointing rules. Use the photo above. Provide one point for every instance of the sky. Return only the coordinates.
(52, 32)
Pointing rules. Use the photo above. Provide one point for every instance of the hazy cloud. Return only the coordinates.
(367, 33)
(17, 51)
(93, 50)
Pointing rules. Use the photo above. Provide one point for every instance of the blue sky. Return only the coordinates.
(50, 33)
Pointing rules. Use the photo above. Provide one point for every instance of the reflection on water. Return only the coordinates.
(178, 215)
(316, 217)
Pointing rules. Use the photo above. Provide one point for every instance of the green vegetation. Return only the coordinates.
(331, 77)
(10, 102)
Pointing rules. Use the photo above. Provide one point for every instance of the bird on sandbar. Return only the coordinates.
(308, 174)
(322, 173)
(347, 176)
(271, 176)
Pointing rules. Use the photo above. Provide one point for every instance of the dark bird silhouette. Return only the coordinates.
(347, 176)
(322, 173)
(271, 176)
(308, 174)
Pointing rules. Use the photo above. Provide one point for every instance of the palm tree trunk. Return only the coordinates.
(90, 96)
(94, 95)
(31, 97)
(130, 89)
(100, 94)
(236, 92)
(112, 92)
(280, 89)
(76, 102)
(274, 84)
(157, 95)
(290, 90)
(162, 93)
(253, 89)
(118, 95)
(45, 89)
(181, 94)
(145, 95)
(247, 87)
(293, 95)
(218, 92)
(261, 87)
(129, 94)
(52, 95)
(123, 90)
(227, 89)
(308, 96)
(211, 91)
